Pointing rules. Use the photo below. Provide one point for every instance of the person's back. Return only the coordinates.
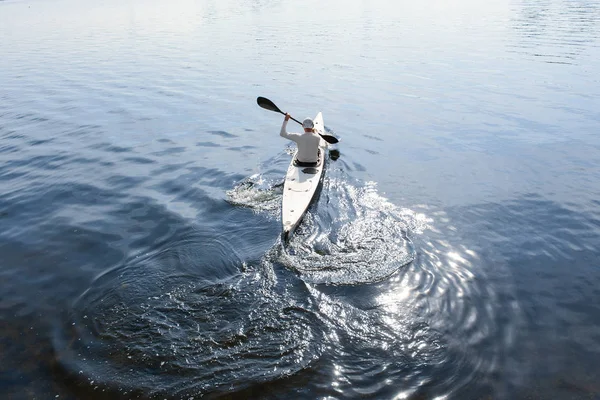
(308, 142)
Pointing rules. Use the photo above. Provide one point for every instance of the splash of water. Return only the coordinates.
(353, 235)
(257, 192)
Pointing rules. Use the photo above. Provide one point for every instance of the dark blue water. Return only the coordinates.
(452, 252)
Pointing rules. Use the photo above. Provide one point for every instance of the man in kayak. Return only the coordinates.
(308, 142)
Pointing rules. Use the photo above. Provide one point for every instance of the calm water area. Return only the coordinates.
(453, 251)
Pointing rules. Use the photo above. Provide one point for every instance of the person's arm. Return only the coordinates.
(284, 133)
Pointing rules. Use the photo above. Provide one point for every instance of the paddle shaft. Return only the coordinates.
(269, 105)
(292, 118)
(327, 138)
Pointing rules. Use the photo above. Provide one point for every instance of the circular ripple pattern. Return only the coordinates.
(350, 235)
(165, 336)
(362, 239)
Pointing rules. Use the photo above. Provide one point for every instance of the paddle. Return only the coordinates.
(269, 105)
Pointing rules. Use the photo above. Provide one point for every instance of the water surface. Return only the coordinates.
(452, 251)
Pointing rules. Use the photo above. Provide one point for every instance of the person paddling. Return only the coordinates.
(308, 142)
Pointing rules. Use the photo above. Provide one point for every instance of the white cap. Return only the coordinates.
(308, 123)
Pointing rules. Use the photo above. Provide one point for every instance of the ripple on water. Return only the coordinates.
(150, 329)
(350, 235)
(360, 238)
(555, 33)
(192, 318)
(421, 333)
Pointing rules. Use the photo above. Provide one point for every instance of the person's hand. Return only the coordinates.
(287, 116)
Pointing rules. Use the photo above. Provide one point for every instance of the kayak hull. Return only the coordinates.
(301, 185)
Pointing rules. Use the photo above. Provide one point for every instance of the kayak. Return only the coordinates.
(300, 186)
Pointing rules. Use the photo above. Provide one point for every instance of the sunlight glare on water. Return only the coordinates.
(450, 253)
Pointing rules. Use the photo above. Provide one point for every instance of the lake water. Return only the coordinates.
(453, 251)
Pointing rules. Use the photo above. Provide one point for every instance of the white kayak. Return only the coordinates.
(300, 186)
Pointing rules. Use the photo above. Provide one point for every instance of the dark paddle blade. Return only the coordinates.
(329, 139)
(268, 104)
